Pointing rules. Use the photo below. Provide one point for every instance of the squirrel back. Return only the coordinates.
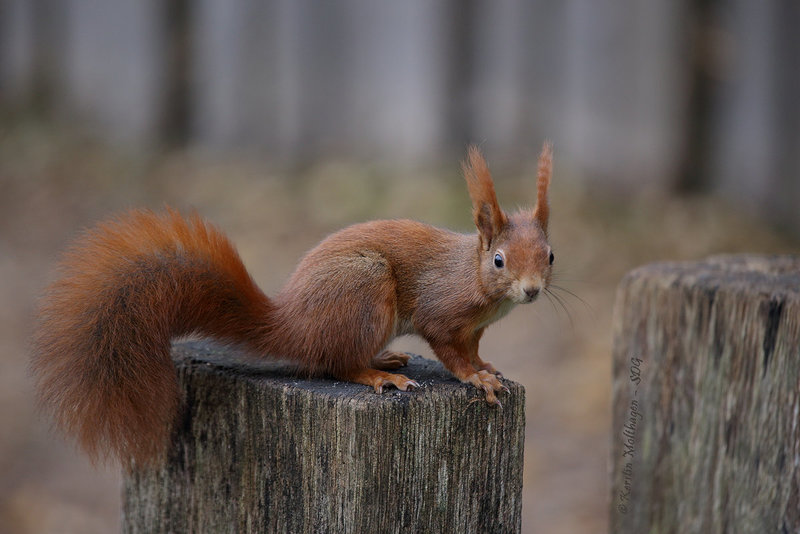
(101, 351)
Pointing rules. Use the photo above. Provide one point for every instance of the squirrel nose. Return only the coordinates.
(532, 292)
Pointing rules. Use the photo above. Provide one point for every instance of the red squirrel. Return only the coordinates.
(127, 287)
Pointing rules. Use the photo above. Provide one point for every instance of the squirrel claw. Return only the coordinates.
(489, 383)
(379, 379)
(412, 385)
(491, 398)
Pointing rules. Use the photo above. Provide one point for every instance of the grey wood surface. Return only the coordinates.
(259, 449)
(707, 397)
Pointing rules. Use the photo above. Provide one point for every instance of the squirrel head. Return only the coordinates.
(515, 257)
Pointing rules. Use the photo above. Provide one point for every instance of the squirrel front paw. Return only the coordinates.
(481, 365)
(489, 383)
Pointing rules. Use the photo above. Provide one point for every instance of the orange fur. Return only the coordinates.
(127, 287)
(544, 171)
(101, 348)
(489, 218)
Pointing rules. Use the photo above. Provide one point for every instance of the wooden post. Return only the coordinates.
(706, 432)
(261, 450)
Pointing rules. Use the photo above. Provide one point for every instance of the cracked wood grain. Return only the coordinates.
(260, 450)
(706, 406)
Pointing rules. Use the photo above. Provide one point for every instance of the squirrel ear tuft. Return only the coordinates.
(489, 218)
(541, 212)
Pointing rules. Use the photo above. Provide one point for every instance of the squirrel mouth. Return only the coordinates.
(530, 294)
(524, 298)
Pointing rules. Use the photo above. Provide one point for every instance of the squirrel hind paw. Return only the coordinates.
(389, 360)
(378, 379)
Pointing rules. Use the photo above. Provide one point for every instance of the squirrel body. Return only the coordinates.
(101, 351)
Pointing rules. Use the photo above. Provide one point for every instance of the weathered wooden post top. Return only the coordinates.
(706, 431)
(260, 450)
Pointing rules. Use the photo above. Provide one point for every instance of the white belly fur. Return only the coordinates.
(406, 327)
(505, 306)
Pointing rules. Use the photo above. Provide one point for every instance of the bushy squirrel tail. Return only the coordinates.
(101, 348)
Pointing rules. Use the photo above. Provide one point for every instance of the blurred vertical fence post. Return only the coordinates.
(707, 397)
(651, 95)
(259, 450)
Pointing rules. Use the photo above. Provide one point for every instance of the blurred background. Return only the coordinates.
(676, 127)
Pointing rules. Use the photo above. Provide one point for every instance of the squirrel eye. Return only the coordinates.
(552, 258)
(498, 260)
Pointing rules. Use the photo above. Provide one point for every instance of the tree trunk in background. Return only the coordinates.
(114, 61)
(459, 104)
(702, 33)
(177, 101)
(784, 196)
(31, 53)
(684, 96)
(620, 114)
(260, 450)
(706, 397)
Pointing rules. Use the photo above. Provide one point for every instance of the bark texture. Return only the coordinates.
(706, 397)
(260, 450)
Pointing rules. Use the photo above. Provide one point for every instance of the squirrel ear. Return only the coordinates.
(489, 218)
(541, 212)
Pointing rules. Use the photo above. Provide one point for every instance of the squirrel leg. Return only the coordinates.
(377, 379)
(389, 359)
(458, 360)
(476, 360)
